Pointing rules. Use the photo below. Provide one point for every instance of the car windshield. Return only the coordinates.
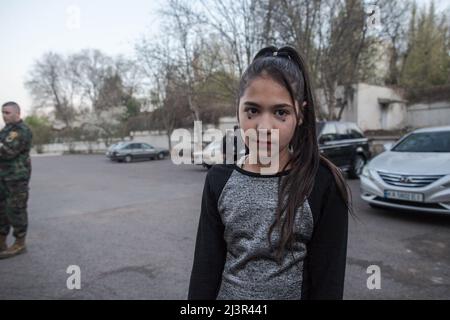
(425, 142)
(124, 145)
(115, 145)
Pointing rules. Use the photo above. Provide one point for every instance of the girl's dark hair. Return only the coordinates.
(288, 68)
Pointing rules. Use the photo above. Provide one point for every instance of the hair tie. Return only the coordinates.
(282, 55)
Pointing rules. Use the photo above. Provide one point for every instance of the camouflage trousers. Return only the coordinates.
(13, 207)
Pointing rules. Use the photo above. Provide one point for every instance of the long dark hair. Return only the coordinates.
(287, 67)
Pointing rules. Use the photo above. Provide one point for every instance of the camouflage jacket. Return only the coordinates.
(15, 145)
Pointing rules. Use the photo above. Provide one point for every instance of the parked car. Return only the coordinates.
(129, 151)
(344, 144)
(113, 146)
(413, 175)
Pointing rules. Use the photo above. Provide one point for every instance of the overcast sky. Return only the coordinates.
(29, 28)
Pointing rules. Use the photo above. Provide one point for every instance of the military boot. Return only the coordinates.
(17, 248)
(3, 245)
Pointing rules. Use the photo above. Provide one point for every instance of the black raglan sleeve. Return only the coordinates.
(210, 246)
(327, 249)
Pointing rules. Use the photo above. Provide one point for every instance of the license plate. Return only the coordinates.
(401, 195)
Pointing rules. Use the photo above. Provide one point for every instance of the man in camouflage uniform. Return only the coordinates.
(15, 171)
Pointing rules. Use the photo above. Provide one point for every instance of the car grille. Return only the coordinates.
(413, 181)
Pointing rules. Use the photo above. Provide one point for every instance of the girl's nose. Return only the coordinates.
(265, 123)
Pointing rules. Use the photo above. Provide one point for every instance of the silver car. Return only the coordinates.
(129, 151)
(412, 175)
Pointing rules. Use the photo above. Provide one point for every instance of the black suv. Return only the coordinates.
(344, 144)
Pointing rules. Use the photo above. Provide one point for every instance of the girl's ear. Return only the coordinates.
(300, 112)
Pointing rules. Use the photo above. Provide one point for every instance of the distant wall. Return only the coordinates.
(159, 140)
(421, 115)
(156, 140)
(73, 147)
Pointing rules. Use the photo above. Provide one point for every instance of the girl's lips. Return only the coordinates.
(262, 143)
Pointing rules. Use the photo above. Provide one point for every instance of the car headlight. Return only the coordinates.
(366, 172)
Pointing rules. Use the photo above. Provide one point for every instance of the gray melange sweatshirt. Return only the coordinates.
(233, 259)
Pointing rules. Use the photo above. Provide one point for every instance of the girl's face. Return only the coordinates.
(267, 107)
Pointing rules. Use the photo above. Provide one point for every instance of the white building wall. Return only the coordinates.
(365, 109)
(396, 116)
(370, 113)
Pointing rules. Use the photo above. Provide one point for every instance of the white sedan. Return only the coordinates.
(413, 175)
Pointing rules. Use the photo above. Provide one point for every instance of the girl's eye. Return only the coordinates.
(281, 113)
(251, 111)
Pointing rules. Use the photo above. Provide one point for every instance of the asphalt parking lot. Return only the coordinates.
(131, 229)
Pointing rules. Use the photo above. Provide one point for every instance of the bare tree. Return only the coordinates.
(90, 69)
(107, 84)
(242, 26)
(186, 49)
(87, 91)
(52, 86)
(131, 74)
(187, 67)
(159, 71)
(231, 33)
(395, 15)
(334, 38)
(299, 23)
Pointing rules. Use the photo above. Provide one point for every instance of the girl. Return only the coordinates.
(281, 235)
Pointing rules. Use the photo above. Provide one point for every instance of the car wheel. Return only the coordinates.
(128, 159)
(358, 164)
(160, 156)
